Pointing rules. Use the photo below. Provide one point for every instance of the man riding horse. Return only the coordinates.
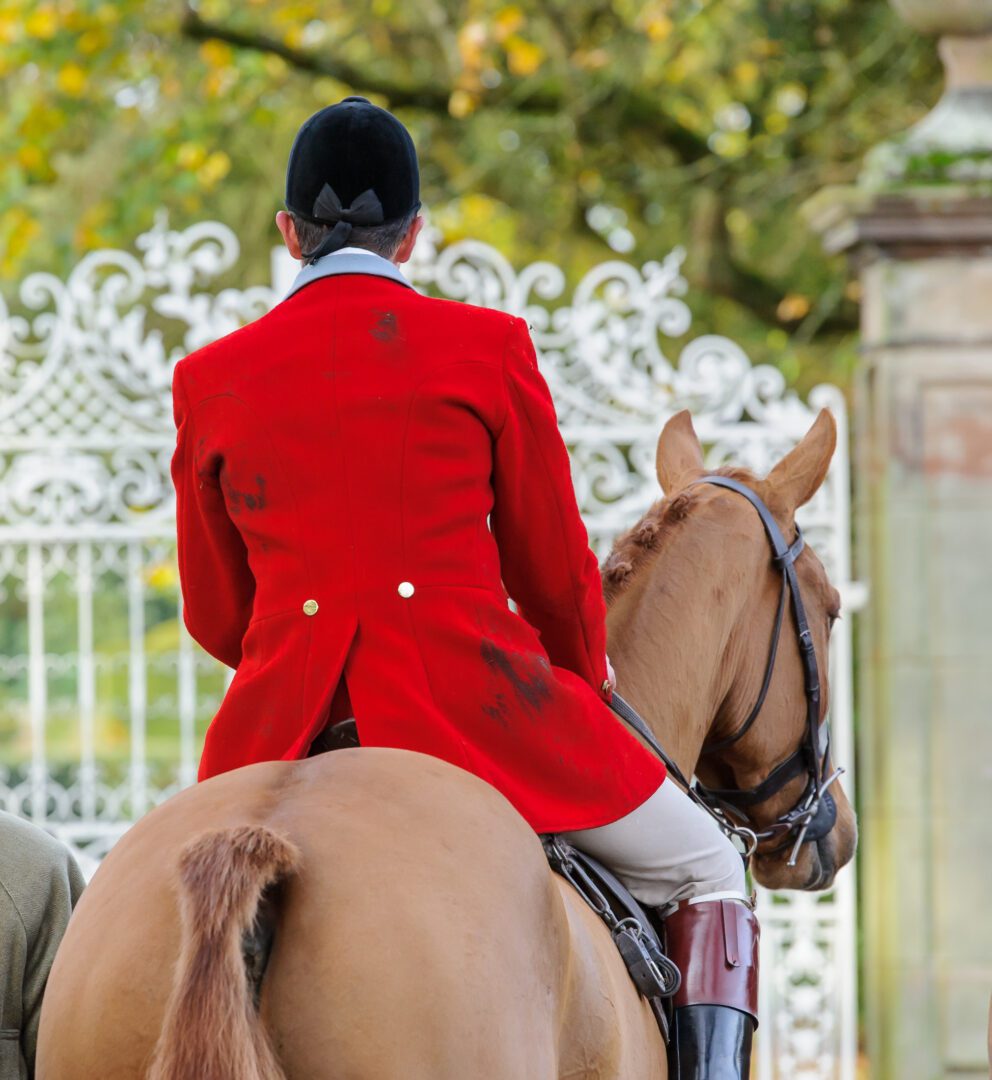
(364, 477)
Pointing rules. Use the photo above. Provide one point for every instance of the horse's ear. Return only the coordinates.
(680, 457)
(798, 476)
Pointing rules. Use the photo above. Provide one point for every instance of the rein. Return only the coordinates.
(815, 813)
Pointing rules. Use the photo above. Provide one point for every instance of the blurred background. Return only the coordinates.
(566, 130)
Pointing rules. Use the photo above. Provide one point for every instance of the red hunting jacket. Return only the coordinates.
(359, 473)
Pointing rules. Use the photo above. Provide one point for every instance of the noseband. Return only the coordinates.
(814, 814)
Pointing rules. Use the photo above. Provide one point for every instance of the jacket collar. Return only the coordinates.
(347, 260)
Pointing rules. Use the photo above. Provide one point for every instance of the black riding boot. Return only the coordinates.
(714, 943)
(710, 1042)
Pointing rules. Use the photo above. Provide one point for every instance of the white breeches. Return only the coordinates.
(666, 850)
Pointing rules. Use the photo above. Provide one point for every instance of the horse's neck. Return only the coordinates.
(668, 667)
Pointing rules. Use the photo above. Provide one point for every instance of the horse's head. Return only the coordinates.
(694, 598)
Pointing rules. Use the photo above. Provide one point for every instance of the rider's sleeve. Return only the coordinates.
(547, 566)
(217, 583)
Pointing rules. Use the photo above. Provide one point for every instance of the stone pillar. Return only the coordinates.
(919, 230)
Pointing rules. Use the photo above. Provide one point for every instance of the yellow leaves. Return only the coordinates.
(508, 21)
(17, 231)
(162, 577)
(216, 54)
(729, 144)
(72, 80)
(477, 216)
(219, 81)
(214, 169)
(688, 113)
(72, 18)
(88, 236)
(655, 21)
(190, 155)
(478, 208)
(294, 36)
(42, 23)
(92, 41)
(523, 57)
(30, 157)
(746, 75)
(222, 74)
(275, 66)
(776, 123)
(472, 39)
(793, 307)
(660, 28)
(40, 120)
(690, 60)
(590, 59)
(210, 169)
(462, 103)
(34, 162)
(10, 26)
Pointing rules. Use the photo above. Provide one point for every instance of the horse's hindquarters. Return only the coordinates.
(436, 940)
(421, 936)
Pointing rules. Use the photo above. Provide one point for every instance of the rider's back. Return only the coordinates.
(338, 464)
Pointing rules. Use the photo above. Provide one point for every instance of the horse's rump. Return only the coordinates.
(420, 934)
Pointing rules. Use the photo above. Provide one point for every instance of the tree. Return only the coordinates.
(565, 129)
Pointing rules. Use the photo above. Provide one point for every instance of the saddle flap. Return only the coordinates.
(635, 936)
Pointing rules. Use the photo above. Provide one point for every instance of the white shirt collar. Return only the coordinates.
(352, 250)
(347, 260)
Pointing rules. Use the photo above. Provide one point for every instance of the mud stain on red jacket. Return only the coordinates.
(236, 498)
(532, 687)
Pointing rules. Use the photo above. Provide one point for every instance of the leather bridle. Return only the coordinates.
(815, 812)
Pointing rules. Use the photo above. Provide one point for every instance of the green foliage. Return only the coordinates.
(565, 129)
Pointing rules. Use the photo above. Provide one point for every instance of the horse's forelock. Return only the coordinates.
(631, 549)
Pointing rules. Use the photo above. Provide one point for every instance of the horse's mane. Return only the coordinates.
(631, 548)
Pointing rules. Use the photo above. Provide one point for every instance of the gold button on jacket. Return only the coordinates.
(310, 607)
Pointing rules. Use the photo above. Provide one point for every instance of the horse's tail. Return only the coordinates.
(211, 1028)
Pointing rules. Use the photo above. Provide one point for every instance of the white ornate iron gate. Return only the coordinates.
(103, 696)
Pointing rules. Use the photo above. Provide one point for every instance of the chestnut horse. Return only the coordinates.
(412, 927)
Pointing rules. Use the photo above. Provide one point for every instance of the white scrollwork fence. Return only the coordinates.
(104, 697)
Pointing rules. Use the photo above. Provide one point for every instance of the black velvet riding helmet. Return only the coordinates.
(351, 164)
